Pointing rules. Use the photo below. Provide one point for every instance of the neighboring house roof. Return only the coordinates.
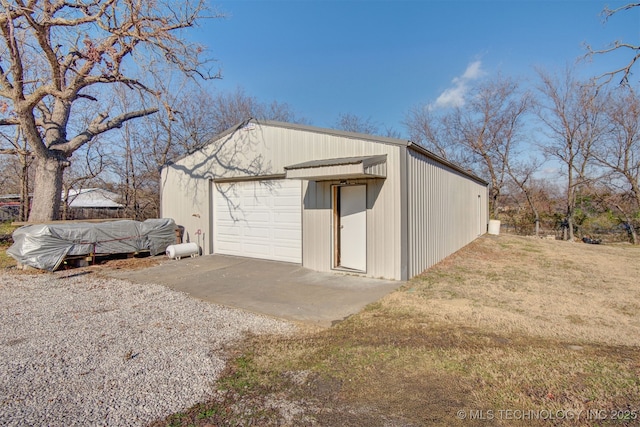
(93, 198)
(83, 198)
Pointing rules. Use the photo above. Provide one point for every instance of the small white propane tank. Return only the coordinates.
(182, 250)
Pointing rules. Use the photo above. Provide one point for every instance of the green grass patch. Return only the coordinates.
(6, 228)
(5, 260)
(244, 375)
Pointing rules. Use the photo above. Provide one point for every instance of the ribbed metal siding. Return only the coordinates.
(189, 200)
(442, 210)
(383, 227)
(316, 225)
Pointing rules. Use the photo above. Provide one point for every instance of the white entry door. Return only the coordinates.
(259, 219)
(353, 227)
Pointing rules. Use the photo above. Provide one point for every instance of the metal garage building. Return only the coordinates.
(327, 199)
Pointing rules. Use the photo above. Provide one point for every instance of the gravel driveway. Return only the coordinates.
(88, 350)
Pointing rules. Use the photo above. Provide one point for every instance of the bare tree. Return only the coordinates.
(625, 70)
(19, 149)
(431, 131)
(489, 126)
(521, 174)
(619, 155)
(572, 113)
(227, 109)
(53, 54)
(353, 123)
(481, 135)
(139, 150)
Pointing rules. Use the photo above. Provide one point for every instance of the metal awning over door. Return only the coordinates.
(340, 168)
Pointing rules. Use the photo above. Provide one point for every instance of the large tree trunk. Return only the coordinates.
(47, 189)
(494, 194)
(571, 204)
(24, 186)
(570, 236)
(633, 233)
(630, 223)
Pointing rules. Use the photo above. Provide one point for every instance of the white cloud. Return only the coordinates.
(474, 71)
(455, 95)
(452, 97)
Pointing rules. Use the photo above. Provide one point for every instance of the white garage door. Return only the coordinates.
(259, 219)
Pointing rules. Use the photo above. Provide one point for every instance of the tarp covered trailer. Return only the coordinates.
(45, 246)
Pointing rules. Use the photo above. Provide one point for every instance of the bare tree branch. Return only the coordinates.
(607, 13)
(99, 125)
(624, 71)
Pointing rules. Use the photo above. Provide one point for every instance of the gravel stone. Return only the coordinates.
(89, 350)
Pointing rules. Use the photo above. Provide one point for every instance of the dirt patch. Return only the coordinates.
(80, 265)
(128, 262)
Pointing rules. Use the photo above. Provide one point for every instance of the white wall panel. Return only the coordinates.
(442, 212)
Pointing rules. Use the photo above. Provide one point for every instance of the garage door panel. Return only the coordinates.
(230, 233)
(231, 245)
(228, 224)
(285, 218)
(250, 202)
(260, 219)
(254, 251)
(285, 253)
(257, 218)
(286, 202)
(285, 234)
(257, 233)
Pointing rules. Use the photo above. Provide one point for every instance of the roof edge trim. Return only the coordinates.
(420, 149)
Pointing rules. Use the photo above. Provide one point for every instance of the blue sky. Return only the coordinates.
(377, 59)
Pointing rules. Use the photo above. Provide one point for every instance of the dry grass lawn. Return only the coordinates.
(508, 331)
(551, 289)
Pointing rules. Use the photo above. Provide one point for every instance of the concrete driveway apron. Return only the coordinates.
(273, 288)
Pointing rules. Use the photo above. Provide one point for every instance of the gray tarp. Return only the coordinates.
(45, 246)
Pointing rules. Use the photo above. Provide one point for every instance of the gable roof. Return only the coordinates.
(250, 122)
